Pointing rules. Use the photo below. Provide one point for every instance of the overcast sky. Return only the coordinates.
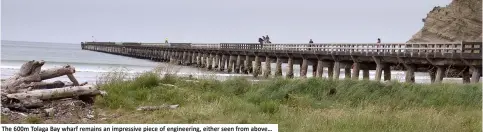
(208, 21)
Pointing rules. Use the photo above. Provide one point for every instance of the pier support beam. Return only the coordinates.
(217, 62)
(248, 65)
(161, 55)
(439, 74)
(290, 68)
(379, 67)
(175, 57)
(355, 70)
(347, 71)
(278, 67)
(256, 70)
(180, 58)
(188, 59)
(466, 75)
(199, 59)
(193, 58)
(365, 74)
(314, 68)
(241, 66)
(410, 73)
(475, 74)
(432, 75)
(231, 61)
(238, 64)
(172, 55)
(222, 62)
(336, 70)
(204, 61)
(209, 62)
(303, 69)
(268, 67)
(387, 72)
(320, 69)
(330, 70)
(184, 60)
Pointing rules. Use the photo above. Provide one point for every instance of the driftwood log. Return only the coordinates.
(29, 72)
(56, 93)
(26, 89)
(57, 72)
(151, 108)
(30, 75)
(46, 85)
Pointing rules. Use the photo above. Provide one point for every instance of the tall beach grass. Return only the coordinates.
(310, 105)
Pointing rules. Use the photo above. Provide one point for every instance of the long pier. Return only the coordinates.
(439, 60)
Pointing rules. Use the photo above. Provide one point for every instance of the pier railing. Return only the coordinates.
(473, 48)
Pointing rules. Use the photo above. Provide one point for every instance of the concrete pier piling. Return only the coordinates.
(193, 58)
(222, 62)
(278, 67)
(355, 70)
(217, 62)
(336, 70)
(290, 68)
(257, 68)
(199, 59)
(238, 64)
(365, 74)
(475, 74)
(320, 69)
(347, 72)
(303, 68)
(231, 61)
(209, 62)
(248, 64)
(439, 74)
(387, 72)
(379, 66)
(330, 70)
(410, 73)
(466, 75)
(268, 67)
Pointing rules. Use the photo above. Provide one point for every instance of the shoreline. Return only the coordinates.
(94, 74)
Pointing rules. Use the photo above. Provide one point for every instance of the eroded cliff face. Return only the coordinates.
(459, 21)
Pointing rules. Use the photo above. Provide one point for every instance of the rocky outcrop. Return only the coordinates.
(459, 21)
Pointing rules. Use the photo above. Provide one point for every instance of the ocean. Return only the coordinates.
(90, 65)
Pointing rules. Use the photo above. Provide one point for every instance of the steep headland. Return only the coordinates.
(458, 21)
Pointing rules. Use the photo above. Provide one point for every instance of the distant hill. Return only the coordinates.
(459, 21)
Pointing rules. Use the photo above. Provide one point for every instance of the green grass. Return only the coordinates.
(33, 120)
(298, 104)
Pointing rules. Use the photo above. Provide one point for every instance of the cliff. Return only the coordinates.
(459, 21)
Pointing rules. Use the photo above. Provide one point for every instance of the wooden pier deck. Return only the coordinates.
(462, 60)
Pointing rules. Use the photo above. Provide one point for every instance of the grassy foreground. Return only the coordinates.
(308, 105)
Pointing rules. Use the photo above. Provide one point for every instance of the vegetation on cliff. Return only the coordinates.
(458, 21)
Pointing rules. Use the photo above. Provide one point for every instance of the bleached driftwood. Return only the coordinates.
(42, 85)
(150, 108)
(29, 72)
(26, 89)
(30, 76)
(26, 103)
(47, 94)
(168, 85)
(57, 72)
(72, 78)
(72, 84)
